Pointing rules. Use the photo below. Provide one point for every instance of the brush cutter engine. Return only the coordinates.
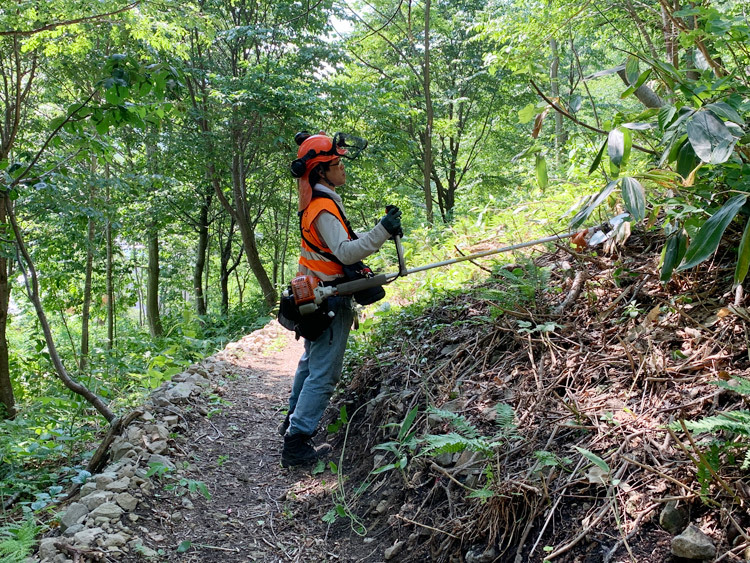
(309, 293)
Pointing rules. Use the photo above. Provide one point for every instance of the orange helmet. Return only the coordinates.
(314, 149)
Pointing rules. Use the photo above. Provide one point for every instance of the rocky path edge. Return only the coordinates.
(100, 522)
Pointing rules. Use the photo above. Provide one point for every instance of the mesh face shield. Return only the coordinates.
(354, 145)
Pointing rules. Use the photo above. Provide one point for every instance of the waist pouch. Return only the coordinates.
(311, 326)
(360, 271)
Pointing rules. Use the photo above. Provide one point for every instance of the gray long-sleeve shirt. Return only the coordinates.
(335, 237)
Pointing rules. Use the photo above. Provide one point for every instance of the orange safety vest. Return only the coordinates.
(315, 255)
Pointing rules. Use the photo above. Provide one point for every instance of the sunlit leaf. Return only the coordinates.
(634, 198)
(595, 202)
(541, 172)
(707, 240)
(605, 72)
(743, 256)
(710, 138)
(616, 146)
(527, 113)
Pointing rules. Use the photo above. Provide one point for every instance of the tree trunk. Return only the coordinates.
(85, 314)
(224, 271)
(152, 285)
(554, 80)
(670, 38)
(645, 95)
(7, 399)
(32, 284)
(200, 257)
(429, 114)
(110, 270)
(247, 230)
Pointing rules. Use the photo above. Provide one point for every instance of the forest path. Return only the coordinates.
(257, 511)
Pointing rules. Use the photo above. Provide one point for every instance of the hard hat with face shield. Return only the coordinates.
(316, 149)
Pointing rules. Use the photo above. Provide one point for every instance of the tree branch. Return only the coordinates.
(574, 119)
(51, 26)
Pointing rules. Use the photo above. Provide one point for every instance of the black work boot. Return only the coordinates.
(282, 428)
(300, 450)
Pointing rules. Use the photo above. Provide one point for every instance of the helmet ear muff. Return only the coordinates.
(299, 166)
(300, 137)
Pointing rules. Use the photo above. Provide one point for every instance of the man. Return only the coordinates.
(328, 246)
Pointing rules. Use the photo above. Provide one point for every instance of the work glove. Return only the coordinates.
(392, 221)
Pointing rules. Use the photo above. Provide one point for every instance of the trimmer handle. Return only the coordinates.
(399, 248)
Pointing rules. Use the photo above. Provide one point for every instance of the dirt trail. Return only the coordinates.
(257, 510)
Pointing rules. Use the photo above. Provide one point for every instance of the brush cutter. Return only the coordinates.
(309, 292)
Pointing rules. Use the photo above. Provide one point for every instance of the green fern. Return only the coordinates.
(737, 422)
(742, 386)
(458, 422)
(17, 541)
(436, 444)
(505, 419)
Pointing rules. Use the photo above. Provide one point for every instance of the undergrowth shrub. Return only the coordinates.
(729, 444)
(17, 541)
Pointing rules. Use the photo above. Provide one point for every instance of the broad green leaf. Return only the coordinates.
(707, 240)
(710, 138)
(598, 159)
(743, 256)
(541, 172)
(103, 126)
(674, 149)
(587, 209)
(631, 69)
(628, 145)
(638, 126)
(686, 160)
(383, 468)
(184, 546)
(527, 113)
(406, 424)
(593, 458)
(634, 197)
(638, 83)
(725, 111)
(672, 254)
(616, 146)
(666, 114)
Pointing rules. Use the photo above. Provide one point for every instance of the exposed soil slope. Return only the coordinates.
(554, 396)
